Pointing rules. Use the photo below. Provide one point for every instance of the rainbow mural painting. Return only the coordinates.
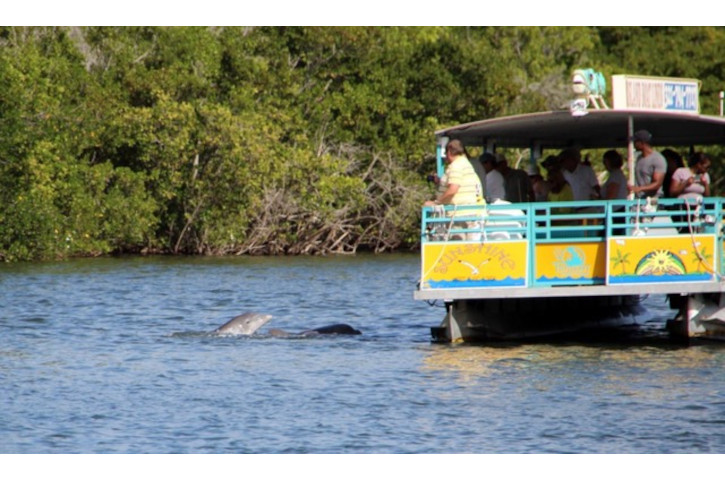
(661, 259)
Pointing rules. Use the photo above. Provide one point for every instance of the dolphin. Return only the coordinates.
(248, 323)
(244, 324)
(336, 329)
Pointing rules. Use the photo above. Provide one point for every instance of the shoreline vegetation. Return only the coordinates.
(272, 141)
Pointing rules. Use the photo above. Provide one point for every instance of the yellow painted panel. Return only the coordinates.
(474, 264)
(570, 261)
(654, 259)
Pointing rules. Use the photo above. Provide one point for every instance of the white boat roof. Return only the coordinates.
(597, 129)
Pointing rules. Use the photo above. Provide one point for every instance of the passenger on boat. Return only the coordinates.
(549, 162)
(480, 171)
(516, 182)
(581, 177)
(459, 186)
(616, 185)
(538, 185)
(692, 181)
(494, 180)
(559, 191)
(674, 161)
(650, 168)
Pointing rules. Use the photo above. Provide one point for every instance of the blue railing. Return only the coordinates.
(574, 221)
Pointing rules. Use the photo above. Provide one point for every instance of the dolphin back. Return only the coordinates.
(336, 329)
(244, 324)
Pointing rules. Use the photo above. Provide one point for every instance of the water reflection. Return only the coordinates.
(655, 372)
(478, 361)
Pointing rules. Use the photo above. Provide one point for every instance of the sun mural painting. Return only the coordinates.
(660, 262)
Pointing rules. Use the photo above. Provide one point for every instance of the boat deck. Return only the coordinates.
(572, 249)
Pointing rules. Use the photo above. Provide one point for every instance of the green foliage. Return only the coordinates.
(689, 52)
(274, 139)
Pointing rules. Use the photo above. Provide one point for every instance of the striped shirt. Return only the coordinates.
(460, 172)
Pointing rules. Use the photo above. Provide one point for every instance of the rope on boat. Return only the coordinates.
(441, 210)
(699, 256)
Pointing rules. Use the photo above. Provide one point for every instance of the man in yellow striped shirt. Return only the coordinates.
(460, 185)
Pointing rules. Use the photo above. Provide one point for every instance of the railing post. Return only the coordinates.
(531, 224)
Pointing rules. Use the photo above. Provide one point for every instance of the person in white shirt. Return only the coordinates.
(494, 180)
(581, 177)
(692, 181)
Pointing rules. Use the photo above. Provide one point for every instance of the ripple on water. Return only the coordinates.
(115, 356)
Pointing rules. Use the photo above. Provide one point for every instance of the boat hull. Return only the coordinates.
(503, 319)
(700, 316)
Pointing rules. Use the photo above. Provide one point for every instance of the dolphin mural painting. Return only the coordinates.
(248, 323)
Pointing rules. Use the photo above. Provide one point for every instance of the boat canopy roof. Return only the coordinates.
(596, 129)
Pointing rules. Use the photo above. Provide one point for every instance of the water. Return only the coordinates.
(113, 356)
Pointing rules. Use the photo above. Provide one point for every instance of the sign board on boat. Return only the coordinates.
(680, 95)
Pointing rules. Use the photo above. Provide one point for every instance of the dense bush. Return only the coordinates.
(270, 140)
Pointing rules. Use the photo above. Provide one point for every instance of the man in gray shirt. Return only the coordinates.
(650, 168)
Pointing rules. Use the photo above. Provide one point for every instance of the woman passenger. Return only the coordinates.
(560, 191)
(539, 187)
(692, 181)
(674, 161)
(615, 188)
(616, 185)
